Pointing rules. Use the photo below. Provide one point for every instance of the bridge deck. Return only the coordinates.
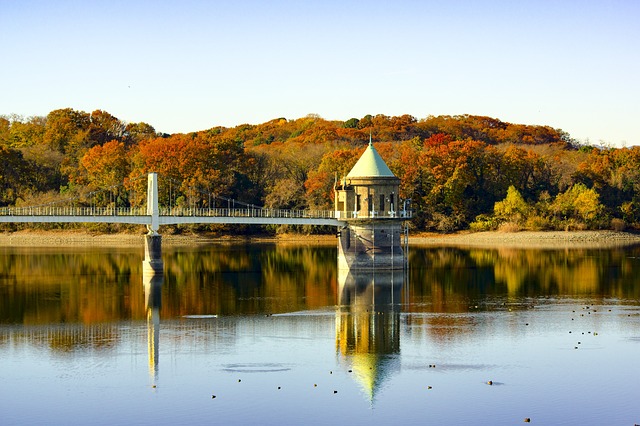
(169, 216)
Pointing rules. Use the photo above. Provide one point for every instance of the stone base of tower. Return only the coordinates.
(152, 263)
(367, 245)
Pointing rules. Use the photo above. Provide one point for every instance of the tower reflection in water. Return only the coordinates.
(368, 325)
(153, 300)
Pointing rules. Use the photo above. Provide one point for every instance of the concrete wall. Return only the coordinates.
(374, 244)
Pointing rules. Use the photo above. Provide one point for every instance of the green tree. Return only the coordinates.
(351, 123)
(513, 208)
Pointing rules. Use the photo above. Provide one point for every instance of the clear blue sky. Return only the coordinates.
(190, 65)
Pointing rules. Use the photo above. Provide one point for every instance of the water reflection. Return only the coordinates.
(85, 325)
(368, 325)
(454, 279)
(96, 286)
(152, 283)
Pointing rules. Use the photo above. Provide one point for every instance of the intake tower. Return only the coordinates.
(367, 199)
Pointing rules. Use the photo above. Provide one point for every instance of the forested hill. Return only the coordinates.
(459, 171)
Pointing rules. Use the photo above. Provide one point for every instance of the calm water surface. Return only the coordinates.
(276, 335)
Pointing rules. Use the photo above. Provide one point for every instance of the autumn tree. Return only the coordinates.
(137, 132)
(288, 168)
(26, 133)
(195, 166)
(5, 132)
(454, 168)
(527, 171)
(104, 127)
(15, 176)
(106, 167)
(464, 181)
(65, 128)
(319, 183)
(579, 206)
(615, 174)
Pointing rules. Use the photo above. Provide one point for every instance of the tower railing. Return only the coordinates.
(403, 214)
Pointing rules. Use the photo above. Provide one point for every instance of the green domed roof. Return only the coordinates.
(370, 164)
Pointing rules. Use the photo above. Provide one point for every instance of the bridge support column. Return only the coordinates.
(152, 203)
(152, 263)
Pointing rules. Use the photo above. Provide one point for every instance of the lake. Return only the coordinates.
(270, 334)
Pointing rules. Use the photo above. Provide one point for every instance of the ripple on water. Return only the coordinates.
(199, 316)
(256, 368)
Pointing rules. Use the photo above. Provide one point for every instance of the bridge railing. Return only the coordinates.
(405, 214)
(247, 212)
(198, 212)
(72, 211)
(174, 211)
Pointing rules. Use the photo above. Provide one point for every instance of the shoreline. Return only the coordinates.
(30, 238)
(530, 239)
(495, 239)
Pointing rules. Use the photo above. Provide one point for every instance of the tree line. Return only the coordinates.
(460, 172)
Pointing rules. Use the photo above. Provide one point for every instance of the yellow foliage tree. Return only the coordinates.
(579, 203)
(513, 207)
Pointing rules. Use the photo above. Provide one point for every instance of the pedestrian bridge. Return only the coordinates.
(168, 216)
(154, 216)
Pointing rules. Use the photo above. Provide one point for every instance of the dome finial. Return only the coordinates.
(370, 142)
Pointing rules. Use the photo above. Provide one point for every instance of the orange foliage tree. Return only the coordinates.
(106, 167)
(334, 165)
(194, 166)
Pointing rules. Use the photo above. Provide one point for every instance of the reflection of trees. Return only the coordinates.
(249, 279)
(453, 276)
(96, 336)
(66, 338)
(301, 273)
(593, 272)
(67, 286)
(448, 279)
(98, 285)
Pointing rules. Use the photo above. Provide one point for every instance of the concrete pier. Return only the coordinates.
(373, 245)
(152, 263)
